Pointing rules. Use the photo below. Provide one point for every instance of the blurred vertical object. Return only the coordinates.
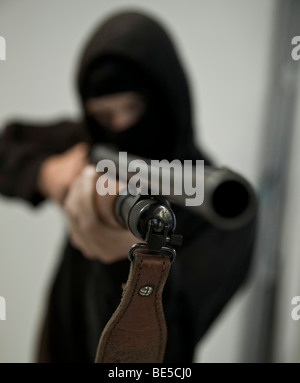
(274, 166)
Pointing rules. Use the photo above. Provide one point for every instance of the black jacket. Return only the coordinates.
(210, 265)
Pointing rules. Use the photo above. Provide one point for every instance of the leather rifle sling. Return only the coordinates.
(137, 332)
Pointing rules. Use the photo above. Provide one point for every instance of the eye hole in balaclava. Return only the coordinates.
(150, 134)
(117, 112)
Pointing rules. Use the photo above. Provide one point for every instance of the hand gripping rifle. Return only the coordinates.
(137, 331)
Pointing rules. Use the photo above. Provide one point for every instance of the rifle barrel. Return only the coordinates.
(229, 199)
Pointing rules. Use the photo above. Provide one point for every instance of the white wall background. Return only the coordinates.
(226, 50)
(287, 337)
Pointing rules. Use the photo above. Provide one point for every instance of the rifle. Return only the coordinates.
(137, 331)
(229, 203)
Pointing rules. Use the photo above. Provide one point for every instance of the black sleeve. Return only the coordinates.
(210, 268)
(217, 264)
(23, 147)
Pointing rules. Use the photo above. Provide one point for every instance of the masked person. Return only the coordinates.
(134, 94)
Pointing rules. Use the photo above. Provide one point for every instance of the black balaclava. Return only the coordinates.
(132, 51)
(146, 137)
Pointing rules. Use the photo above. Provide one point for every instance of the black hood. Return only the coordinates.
(137, 42)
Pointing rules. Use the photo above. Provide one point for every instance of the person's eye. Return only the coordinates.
(103, 117)
(131, 107)
(136, 106)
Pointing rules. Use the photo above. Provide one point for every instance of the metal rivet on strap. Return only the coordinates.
(145, 291)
